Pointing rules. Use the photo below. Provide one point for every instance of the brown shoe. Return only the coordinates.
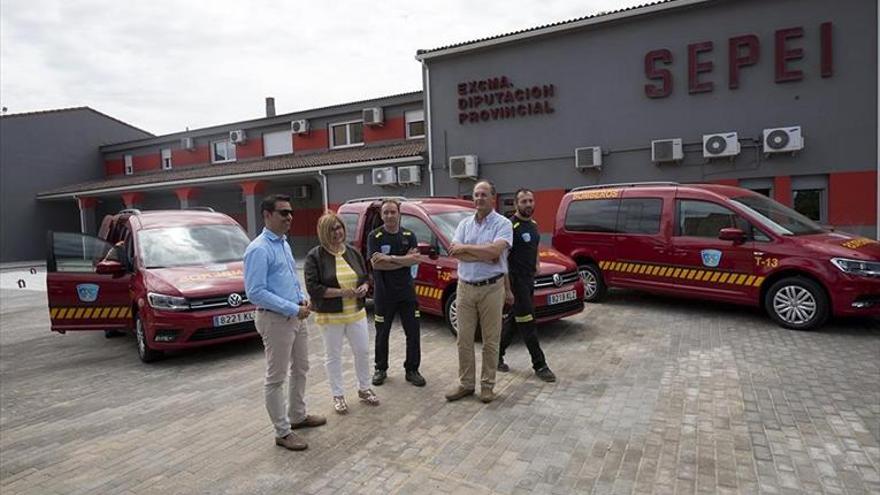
(487, 395)
(291, 442)
(311, 421)
(458, 392)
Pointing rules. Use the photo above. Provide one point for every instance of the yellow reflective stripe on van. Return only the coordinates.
(696, 274)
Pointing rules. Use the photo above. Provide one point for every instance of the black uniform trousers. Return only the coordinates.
(523, 319)
(384, 312)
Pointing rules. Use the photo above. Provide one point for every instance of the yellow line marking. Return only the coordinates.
(62, 313)
(53, 312)
(602, 265)
(675, 272)
(707, 276)
(115, 312)
(741, 279)
(723, 278)
(750, 280)
(106, 312)
(663, 271)
(758, 281)
(715, 277)
(88, 313)
(79, 313)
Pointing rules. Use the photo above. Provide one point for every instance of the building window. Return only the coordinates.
(222, 151)
(810, 203)
(347, 134)
(129, 166)
(166, 159)
(277, 143)
(415, 124)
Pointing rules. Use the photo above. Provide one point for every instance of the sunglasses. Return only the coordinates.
(285, 213)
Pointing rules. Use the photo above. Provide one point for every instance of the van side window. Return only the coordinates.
(592, 215)
(639, 215)
(423, 233)
(702, 219)
(751, 231)
(350, 220)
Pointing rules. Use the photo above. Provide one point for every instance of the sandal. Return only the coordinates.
(368, 397)
(339, 404)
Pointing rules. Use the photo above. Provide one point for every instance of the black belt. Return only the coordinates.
(488, 281)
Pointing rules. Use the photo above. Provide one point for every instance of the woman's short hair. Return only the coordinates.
(325, 228)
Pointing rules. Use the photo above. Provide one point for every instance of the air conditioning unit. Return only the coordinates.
(720, 145)
(463, 167)
(384, 176)
(589, 157)
(783, 140)
(237, 136)
(666, 150)
(187, 143)
(301, 192)
(410, 174)
(373, 116)
(299, 126)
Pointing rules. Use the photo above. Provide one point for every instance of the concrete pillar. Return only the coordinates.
(132, 199)
(252, 191)
(187, 196)
(87, 222)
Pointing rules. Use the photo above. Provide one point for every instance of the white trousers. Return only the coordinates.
(359, 341)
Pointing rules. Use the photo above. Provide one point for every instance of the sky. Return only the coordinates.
(165, 66)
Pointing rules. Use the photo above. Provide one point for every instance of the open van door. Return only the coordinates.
(87, 290)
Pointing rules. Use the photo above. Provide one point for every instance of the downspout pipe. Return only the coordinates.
(324, 189)
(426, 82)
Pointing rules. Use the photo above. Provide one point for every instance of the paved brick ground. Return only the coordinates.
(655, 395)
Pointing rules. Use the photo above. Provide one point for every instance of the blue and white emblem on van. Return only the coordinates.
(87, 292)
(711, 257)
(527, 237)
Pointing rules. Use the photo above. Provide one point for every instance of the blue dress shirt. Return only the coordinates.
(270, 278)
(494, 227)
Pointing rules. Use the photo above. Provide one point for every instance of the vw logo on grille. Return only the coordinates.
(557, 280)
(234, 300)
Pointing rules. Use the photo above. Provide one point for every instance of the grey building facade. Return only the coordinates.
(45, 150)
(522, 103)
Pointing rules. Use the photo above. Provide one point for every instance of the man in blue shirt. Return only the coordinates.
(480, 245)
(271, 284)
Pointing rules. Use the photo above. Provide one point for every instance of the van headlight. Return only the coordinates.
(857, 267)
(170, 303)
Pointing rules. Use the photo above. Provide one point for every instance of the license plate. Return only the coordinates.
(223, 320)
(561, 297)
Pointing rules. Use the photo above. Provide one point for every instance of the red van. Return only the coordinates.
(717, 242)
(558, 290)
(174, 278)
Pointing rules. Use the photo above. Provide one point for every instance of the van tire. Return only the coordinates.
(449, 314)
(811, 307)
(594, 285)
(146, 354)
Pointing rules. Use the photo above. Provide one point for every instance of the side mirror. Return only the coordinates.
(732, 234)
(428, 250)
(109, 268)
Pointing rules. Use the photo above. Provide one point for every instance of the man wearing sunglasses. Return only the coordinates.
(272, 285)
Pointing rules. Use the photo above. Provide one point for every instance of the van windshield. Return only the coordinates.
(782, 219)
(196, 245)
(447, 222)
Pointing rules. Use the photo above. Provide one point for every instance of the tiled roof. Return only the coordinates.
(73, 109)
(245, 168)
(546, 26)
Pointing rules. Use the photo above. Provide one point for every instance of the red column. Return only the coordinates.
(132, 199)
(782, 189)
(187, 196)
(250, 190)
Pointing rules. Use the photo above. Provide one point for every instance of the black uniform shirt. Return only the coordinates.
(524, 252)
(392, 285)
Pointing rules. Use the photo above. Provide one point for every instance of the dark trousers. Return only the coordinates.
(523, 319)
(409, 318)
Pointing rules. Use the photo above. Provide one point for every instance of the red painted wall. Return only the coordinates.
(253, 148)
(114, 167)
(313, 140)
(782, 189)
(852, 198)
(546, 204)
(186, 158)
(305, 221)
(146, 163)
(391, 129)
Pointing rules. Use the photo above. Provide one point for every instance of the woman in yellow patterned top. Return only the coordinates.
(337, 282)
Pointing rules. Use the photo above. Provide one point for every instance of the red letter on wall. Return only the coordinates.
(827, 54)
(735, 59)
(695, 68)
(655, 74)
(783, 55)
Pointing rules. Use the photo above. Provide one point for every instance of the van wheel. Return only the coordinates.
(797, 303)
(594, 284)
(146, 354)
(450, 314)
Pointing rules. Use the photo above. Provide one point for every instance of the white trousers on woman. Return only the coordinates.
(359, 341)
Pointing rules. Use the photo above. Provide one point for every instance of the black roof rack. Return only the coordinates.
(376, 198)
(626, 184)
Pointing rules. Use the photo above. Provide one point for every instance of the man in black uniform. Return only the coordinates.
(393, 251)
(522, 263)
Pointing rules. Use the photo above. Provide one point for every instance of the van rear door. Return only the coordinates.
(79, 297)
(642, 241)
(709, 266)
